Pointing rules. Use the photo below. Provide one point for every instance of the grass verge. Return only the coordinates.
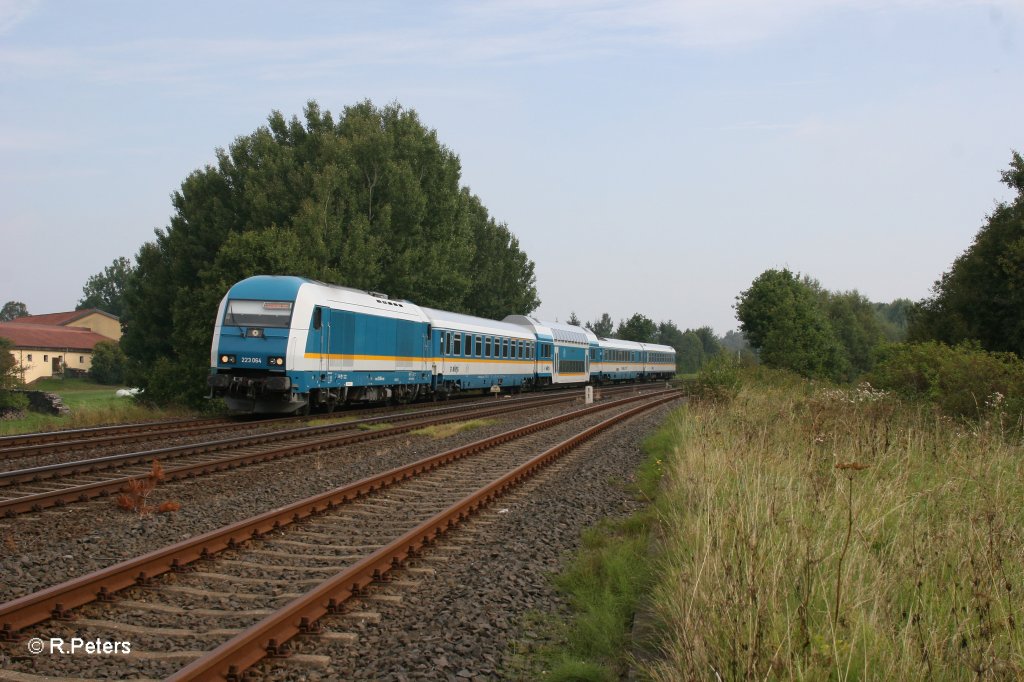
(91, 404)
(604, 584)
(812, 532)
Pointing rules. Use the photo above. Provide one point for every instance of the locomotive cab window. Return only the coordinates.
(272, 314)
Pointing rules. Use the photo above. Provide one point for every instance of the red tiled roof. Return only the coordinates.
(25, 335)
(59, 318)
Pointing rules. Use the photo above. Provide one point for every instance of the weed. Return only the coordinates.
(139, 490)
(452, 428)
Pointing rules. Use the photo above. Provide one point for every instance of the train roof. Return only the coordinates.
(658, 348)
(476, 325)
(565, 333)
(635, 345)
(620, 344)
(287, 287)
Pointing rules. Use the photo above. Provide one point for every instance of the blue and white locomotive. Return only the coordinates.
(286, 344)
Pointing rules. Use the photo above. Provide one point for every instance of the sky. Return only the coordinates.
(651, 156)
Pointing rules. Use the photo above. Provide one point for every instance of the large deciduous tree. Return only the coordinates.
(783, 320)
(12, 310)
(982, 296)
(371, 200)
(105, 290)
(638, 328)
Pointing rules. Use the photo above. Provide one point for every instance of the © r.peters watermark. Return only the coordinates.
(77, 645)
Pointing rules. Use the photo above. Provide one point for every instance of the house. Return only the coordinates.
(45, 345)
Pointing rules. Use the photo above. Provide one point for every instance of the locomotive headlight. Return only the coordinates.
(278, 362)
(227, 359)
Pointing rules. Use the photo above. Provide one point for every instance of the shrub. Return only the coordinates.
(108, 363)
(961, 380)
(719, 379)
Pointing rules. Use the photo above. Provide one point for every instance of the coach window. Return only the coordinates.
(479, 346)
(448, 343)
(458, 344)
(487, 346)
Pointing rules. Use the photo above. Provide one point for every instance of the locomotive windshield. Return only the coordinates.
(258, 313)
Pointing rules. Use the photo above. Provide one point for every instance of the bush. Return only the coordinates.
(12, 402)
(962, 380)
(108, 363)
(719, 379)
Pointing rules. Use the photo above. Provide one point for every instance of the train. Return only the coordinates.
(287, 344)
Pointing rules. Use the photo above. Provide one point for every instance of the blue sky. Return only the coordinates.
(651, 156)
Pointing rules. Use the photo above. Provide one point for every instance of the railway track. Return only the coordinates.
(31, 444)
(221, 601)
(24, 446)
(38, 488)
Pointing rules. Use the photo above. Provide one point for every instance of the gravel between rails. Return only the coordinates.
(458, 614)
(44, 549)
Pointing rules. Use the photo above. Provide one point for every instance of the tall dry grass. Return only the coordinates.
(816, 533)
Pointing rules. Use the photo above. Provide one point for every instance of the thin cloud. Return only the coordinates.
(505, 32)
(13, 12)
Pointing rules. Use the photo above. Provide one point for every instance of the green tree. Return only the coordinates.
(371, 200)
(108, 363)
(13, 310)
(853, 318)
(10, 378)
(894, 318)
(503, 281)
(982, 296)
(637, 328)
(105, 290)
(690, 354)
(782, 318)
(602, 328)
(708, 340)
(669, 334)
(573, 320)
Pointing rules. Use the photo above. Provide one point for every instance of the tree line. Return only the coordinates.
(694, 347)
(977, 306)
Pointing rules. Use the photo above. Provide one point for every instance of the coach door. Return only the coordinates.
(554, 365)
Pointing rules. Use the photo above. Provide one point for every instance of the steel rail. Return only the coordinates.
(21, 446)
(94, 464)
(56, 601)
(132, 436)
(269, 636)
(73, 434)
(84, 492)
